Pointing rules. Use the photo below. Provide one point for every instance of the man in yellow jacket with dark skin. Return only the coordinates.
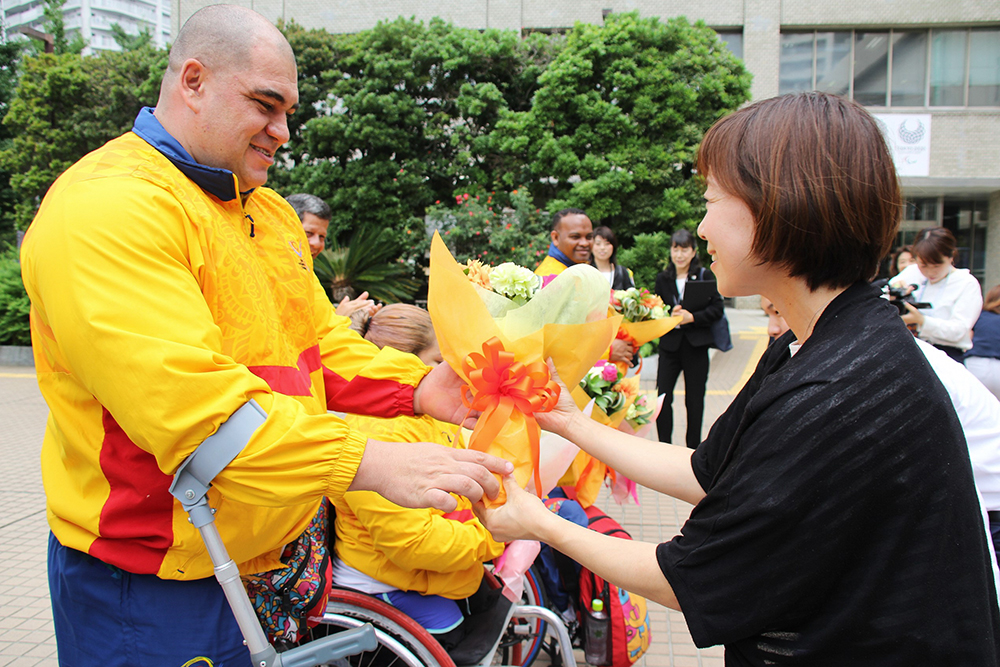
(572, 238)
(169, 290)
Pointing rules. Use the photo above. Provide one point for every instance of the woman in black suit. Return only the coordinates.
(684, 348)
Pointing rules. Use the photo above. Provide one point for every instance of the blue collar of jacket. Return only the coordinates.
(556, 253)
(220, 183)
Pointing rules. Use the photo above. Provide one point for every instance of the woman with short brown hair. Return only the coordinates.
(835, 519)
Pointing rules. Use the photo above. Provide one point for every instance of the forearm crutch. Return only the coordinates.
(190, 487)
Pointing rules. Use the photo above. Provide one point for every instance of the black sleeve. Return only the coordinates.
(736, 566)
(715, 308)
(807, 486)
(711, 454)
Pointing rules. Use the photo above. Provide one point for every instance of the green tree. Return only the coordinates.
(493, 228)
(10, 55)
(14, 302)
(127, 42)
(368, 263)
(56, 26)
(398, 117)
(617, 120)
(648, 255)
(66, 106)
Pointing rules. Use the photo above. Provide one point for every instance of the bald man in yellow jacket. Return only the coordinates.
(169, 289)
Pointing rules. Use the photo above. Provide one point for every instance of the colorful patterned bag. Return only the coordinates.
(287, 597)
(629, 619)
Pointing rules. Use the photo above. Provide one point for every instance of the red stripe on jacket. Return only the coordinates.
(136, 525)
(460, 515)
(288, 380)
(365, 396)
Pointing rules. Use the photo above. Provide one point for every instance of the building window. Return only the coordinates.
(733, 41)
(896, 68)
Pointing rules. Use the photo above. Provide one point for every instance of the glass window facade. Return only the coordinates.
(896, 68)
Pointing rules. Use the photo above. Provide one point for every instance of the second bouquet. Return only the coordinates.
(496, 326)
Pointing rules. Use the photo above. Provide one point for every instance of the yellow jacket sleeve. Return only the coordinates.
(423, 539)
(127, 304)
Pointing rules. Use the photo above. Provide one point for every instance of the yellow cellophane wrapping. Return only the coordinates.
(647, 330)
(586, 474)
(463, 322)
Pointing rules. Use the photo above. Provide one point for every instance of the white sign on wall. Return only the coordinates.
(909, 139)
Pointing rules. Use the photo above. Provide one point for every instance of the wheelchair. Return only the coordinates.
(356, 630)
(513, 635)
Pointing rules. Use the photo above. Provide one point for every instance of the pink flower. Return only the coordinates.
(465, 196)
(610, 372)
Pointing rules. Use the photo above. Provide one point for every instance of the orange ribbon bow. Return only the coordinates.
(501, 385)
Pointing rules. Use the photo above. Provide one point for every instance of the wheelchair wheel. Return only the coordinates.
(525, 637)
(402, 642)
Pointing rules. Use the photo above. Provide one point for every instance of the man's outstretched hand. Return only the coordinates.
(439, 395)
(421, 474)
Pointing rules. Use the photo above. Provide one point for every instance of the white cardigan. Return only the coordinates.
(956, 302)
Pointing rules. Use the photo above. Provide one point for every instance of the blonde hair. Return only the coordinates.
(402, 326)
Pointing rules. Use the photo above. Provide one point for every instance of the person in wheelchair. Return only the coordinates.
(424, 562)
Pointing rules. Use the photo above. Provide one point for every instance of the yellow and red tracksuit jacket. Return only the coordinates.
(422, 550)
(550, 266)
(162, 301)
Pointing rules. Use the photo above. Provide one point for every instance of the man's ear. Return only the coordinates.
(193, 79)
(554, 234)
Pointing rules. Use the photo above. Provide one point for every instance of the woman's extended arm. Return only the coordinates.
(662, 467)
(628, 564)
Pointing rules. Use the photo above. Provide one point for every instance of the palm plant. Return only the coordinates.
(368, 263)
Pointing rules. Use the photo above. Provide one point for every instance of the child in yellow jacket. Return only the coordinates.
(421, 561)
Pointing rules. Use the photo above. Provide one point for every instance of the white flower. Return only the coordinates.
(513, 281)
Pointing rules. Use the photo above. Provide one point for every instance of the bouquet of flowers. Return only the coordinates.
(599, 384)
(497, 326)
(613, 397)
(640, 413)
(638, 305)
(644, 316)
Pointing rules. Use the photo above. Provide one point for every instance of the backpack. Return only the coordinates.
(629, 619)
(286, 598)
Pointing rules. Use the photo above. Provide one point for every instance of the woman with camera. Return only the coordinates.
(954, 295)
(835, 518)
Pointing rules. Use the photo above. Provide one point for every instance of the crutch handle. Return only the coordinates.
(329, 649)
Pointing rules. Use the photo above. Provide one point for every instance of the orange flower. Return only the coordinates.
(479, 273)
(629, 387)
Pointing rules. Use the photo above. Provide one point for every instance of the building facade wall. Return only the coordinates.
(92, 19)
(964, 144)
(887, 12)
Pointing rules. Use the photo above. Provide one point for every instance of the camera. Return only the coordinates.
(900, 295)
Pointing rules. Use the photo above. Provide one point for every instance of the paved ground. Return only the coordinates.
(26, 637)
